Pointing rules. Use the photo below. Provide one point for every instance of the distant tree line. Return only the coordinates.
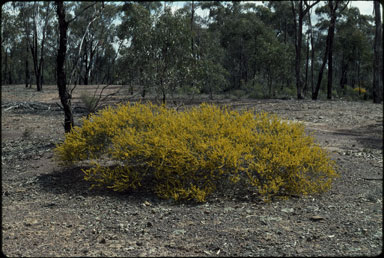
(259, 51)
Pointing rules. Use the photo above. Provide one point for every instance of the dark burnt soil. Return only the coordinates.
(48, 210)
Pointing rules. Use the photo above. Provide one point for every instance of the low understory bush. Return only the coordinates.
(188, 154)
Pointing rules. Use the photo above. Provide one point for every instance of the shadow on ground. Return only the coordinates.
(370, 136)
(70, 181)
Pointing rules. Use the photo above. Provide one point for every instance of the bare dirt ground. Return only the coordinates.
(49, 210)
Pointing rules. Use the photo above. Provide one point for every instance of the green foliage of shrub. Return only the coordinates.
(90, 102)
(357, 93)
(255, 90)
(188, 154)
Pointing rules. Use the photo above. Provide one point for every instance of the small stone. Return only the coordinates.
(146, 203)
(316, 218)
(139, 243)
(179, 232)
(102, 241)
(80, 198)
(287, 210)
(228, 209)
(149, 224)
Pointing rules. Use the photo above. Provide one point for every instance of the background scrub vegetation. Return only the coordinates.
(188, 154)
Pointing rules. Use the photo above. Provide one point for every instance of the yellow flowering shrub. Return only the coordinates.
(187, 154)
(360, 90)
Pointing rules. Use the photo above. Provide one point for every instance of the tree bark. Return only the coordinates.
(331, 32)
(315, 93)
(344, 71)
(312, 52)
(192, 20)
(64, 94)
(378, 57)
(306, 67)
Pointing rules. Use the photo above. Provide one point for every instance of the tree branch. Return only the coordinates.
(81, 45)
(74, 18)
(308, 6)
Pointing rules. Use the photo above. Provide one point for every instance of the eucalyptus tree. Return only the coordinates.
(352, 53)
(38, 24)
(172, 52)
(210, 76)
(90, 35)
(65, 92)
(37, 21)
(137, 53)
(333, 10)
(282, 21)
(299, 10)
(10, 41)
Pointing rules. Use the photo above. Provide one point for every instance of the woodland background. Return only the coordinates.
(273, 49)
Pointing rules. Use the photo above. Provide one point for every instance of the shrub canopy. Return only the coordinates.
(188, 154)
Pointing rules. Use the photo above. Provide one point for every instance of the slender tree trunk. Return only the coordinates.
(312, 61)
(27, 80)
(285, 31)
(306, 68)
(64, 94)
(320, 77)
(192, 19)
(301, 12)
(331, 33)
(4, 75)
(36, 61)
(298, 59)
(86, 63)
(27, 76)
(343, 79)
(378, 57)
(269, 82)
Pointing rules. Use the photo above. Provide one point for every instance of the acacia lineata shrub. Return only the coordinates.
(187, 154)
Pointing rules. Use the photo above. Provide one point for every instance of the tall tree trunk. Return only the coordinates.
(344, 70)
(312, 53)
(333, 6)
(27, 77)
(378, 57)
(64, 94)
(298, 58)
(331, 32)
(306, 67)
(4, 75)
(301, 12)
(86, 63)
(330, 62)
(192, 19)
(315, 93)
